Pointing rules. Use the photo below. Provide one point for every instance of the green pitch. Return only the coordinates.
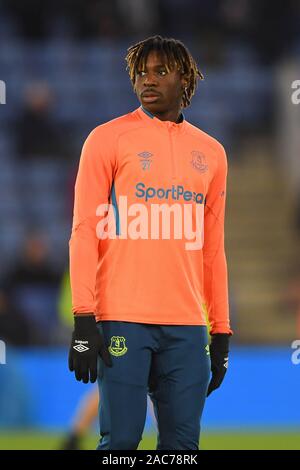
(209, 441)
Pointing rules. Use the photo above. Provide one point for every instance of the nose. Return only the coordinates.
(150, 80)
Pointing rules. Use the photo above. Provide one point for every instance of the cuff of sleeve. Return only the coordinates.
(220, 329)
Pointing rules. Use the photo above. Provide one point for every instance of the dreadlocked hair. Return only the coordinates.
(177, 55)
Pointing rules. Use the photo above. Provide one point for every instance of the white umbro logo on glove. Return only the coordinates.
(81, 347)
(226, 362)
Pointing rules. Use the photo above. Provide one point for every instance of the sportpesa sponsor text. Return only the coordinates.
(174, 192)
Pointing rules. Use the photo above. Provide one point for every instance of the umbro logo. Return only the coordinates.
(80, 347)
(145, 155)
(145, 159)
(226, 362)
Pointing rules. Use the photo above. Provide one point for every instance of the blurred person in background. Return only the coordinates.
(32, 18)
(139, 16)
(269, 17)
(38, 134)
(148, 302)
(93, 18)
(31, 288)
(14, 327)
(85, 416)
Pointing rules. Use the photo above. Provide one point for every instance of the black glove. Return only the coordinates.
(219, 349)
(87, 343)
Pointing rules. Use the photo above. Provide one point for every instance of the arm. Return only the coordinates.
(214, 259)
(92, 188)
(215, 272)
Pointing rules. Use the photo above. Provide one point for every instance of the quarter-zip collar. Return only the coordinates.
(164, 125)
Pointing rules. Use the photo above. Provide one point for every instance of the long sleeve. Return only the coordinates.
(214, 259)
(92, 188)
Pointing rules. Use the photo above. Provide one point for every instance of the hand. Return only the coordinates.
(87, 343)
(219, 349)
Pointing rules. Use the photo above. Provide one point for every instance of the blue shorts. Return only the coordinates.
(170, 363)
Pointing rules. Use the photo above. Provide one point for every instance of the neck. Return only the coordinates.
(174, 115)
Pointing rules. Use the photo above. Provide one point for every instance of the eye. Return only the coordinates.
(141, 73)
(162, 72)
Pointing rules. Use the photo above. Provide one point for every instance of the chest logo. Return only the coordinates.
(198, 161)
(145, 160)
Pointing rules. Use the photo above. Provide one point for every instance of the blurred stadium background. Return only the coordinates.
(64, 70)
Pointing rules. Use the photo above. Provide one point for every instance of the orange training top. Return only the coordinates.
(140, 264)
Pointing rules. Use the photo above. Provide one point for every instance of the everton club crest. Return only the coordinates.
(198, 161)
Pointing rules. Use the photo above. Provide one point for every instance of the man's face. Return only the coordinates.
(157, 89)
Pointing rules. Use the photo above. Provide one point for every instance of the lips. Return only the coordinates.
(146, 94)
(150, 96)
